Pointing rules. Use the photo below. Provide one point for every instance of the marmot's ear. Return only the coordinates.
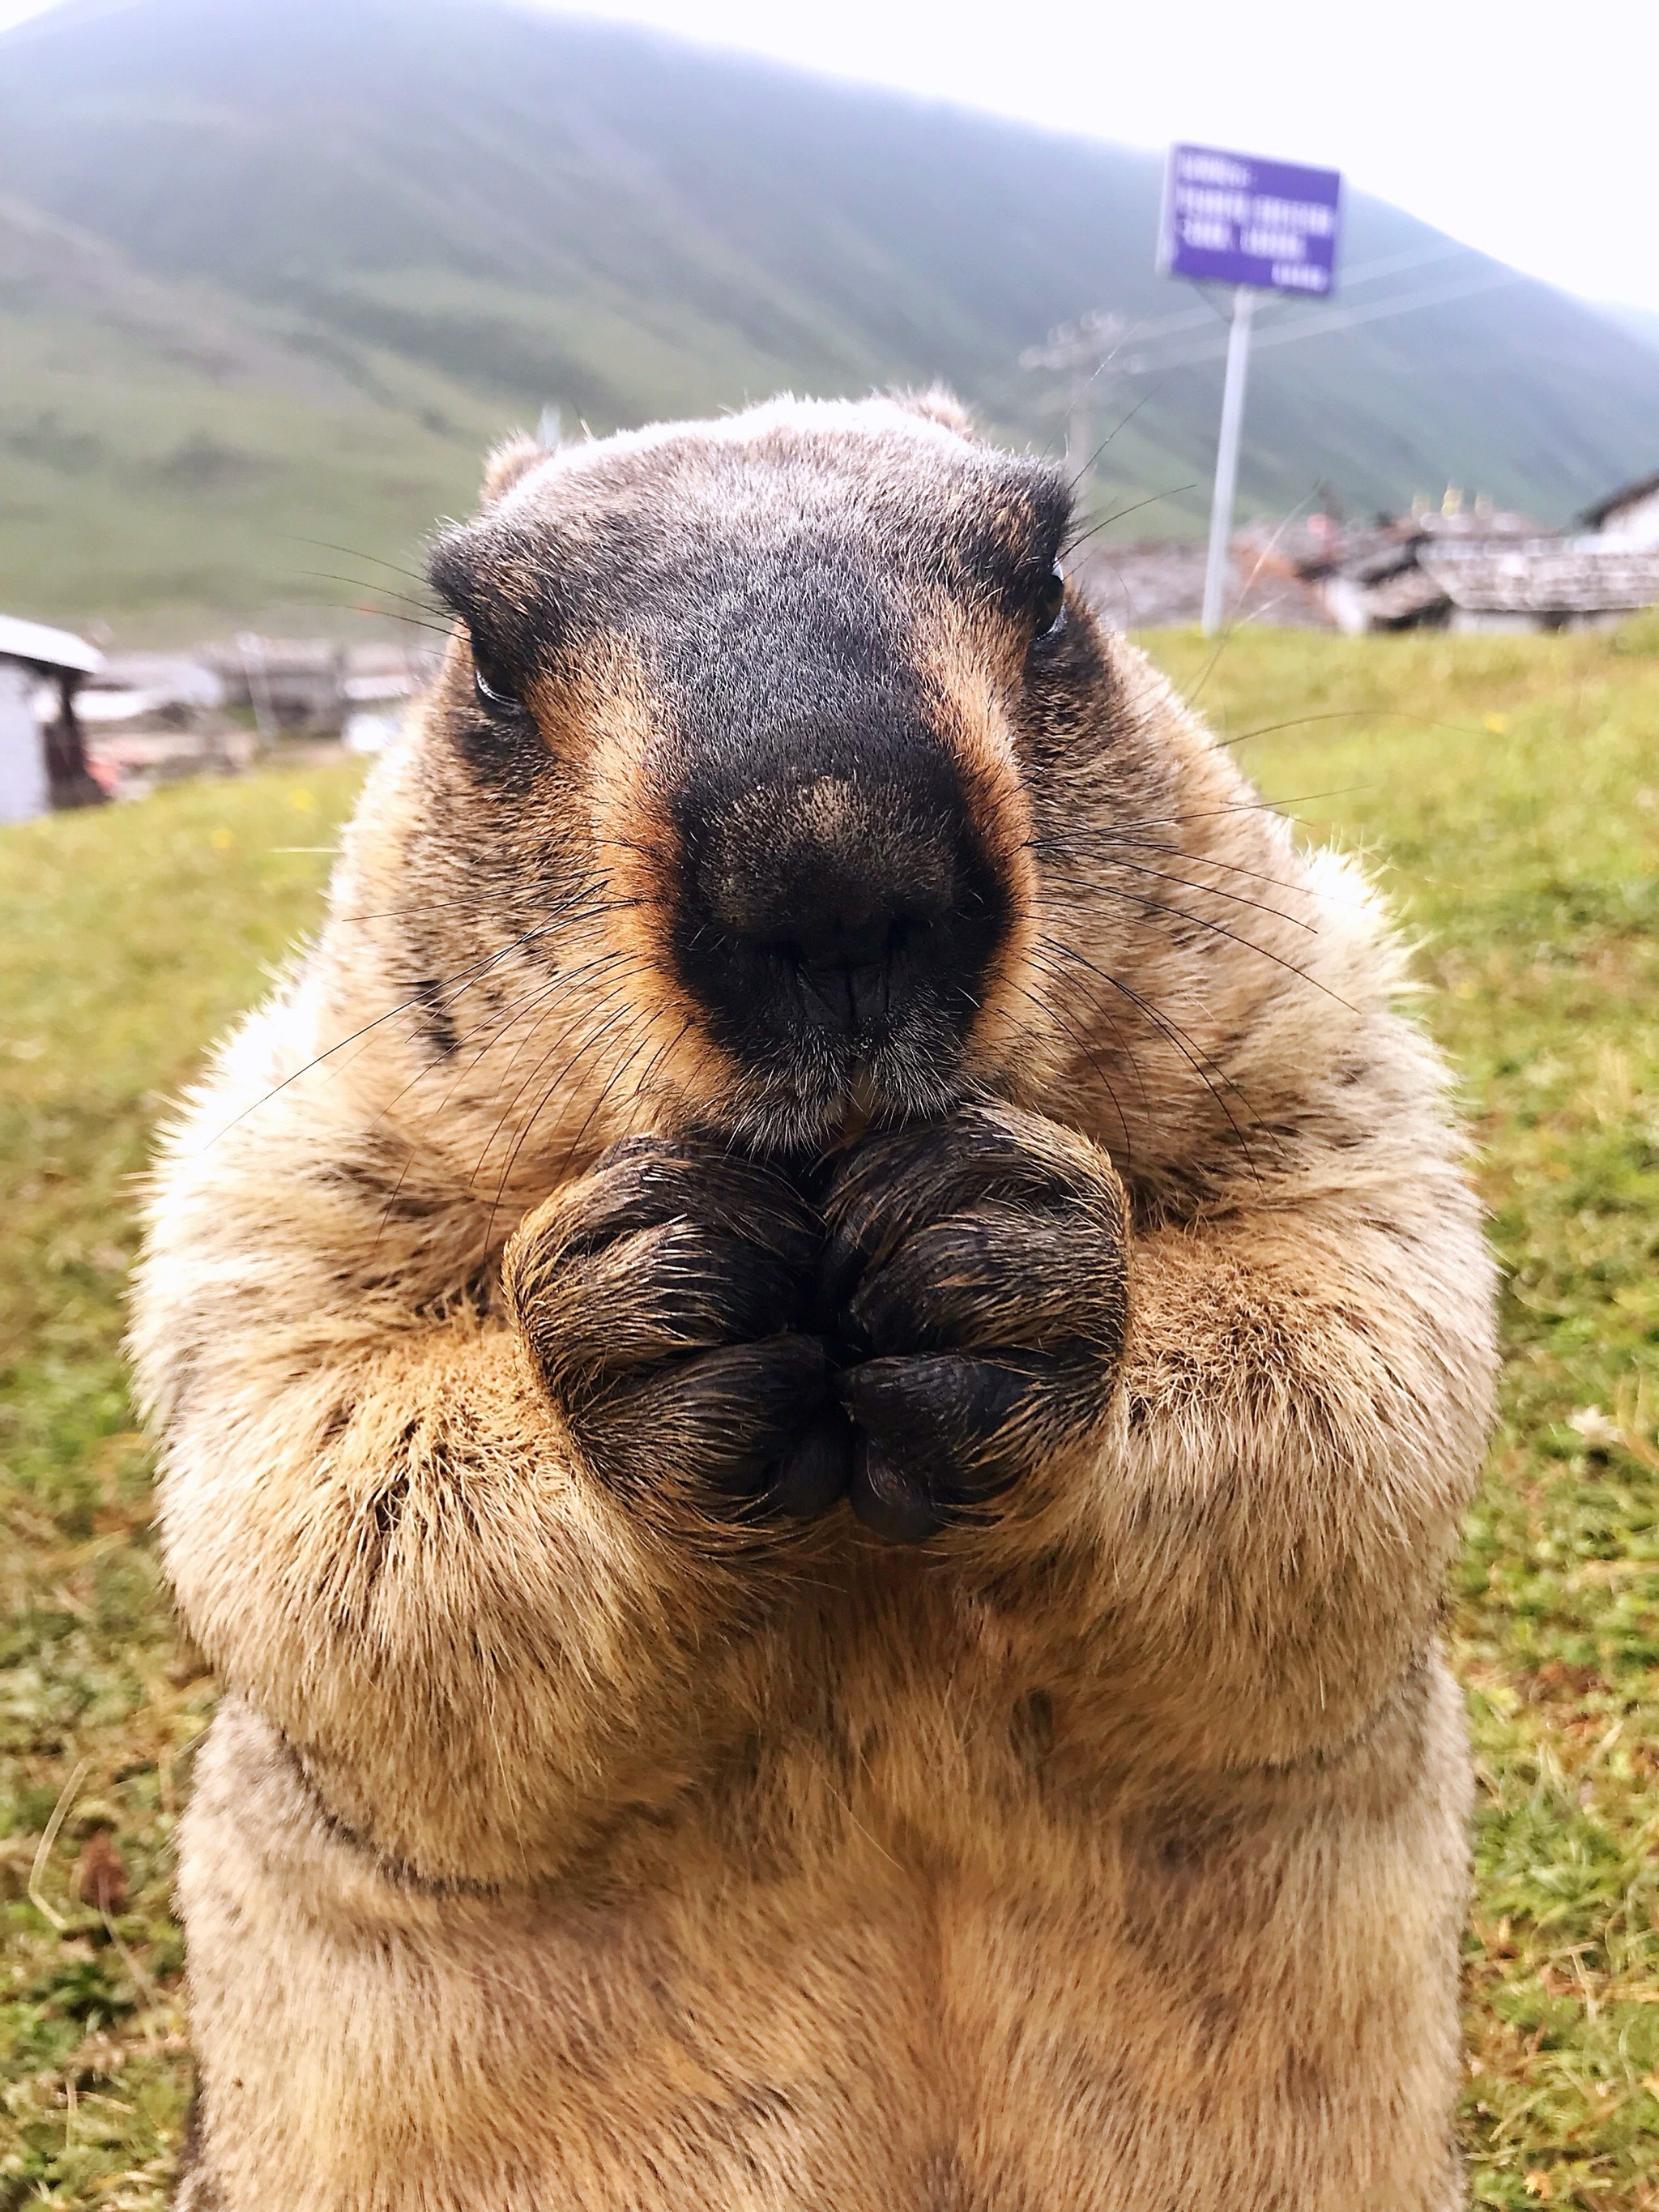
(513, 459)
(936, 405)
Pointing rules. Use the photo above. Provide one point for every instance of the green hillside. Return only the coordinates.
(449, 213)
(161, 450)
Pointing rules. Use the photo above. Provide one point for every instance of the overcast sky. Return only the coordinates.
(1529, 130)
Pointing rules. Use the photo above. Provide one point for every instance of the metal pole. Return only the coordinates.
(1226, 458)
(259, 685)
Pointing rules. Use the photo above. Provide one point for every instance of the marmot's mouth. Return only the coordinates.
(828, 1098)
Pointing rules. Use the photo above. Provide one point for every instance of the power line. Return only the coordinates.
(1337, 318)
(1097, 337)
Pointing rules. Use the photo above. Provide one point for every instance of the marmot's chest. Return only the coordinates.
(795, 1990)
(907, 1715)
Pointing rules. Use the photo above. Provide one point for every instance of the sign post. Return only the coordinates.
(1260, 227)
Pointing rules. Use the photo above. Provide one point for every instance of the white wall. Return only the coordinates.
(1346, 601)
(23, 788)
(1636, 525)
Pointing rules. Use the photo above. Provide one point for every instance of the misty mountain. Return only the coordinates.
(277, 268)
(1641, 322)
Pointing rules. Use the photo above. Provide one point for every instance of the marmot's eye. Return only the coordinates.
(494, 698)
(1049, 612)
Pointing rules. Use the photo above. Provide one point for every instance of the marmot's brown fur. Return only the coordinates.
(809, 1021)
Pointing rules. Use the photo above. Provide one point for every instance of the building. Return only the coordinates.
(380, 682)
(165, 689)
(1479, 569)
(1631, 516)
(1158, 583)
(289, 683)
(1549, 583)
(43, 762)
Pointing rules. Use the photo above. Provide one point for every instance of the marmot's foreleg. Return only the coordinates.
(488, 1576)
(1238, 1530)
(1215, 1529)
(665, 1298)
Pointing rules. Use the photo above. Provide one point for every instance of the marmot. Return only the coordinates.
(817, 1369)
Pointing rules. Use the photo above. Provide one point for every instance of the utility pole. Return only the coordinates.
(1226, 458)
(1086, 353)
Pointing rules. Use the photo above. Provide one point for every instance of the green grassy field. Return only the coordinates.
(1507, 789)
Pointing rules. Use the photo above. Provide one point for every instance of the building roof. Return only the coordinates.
(1627, 495)
(1549, 576)
(47, 648)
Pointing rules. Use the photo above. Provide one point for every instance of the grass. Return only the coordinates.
(1508, 789)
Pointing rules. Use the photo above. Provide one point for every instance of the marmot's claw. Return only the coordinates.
(665, 1298)
(814, 1473)
(889, 1503)
(979, 1266)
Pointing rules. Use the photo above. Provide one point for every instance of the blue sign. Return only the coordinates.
(1231, 219)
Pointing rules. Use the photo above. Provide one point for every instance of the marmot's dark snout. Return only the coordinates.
(850, 912)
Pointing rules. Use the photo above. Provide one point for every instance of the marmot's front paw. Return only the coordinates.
(977, 1269)
(665, 1298)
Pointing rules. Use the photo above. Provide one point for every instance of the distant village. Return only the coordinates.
(78, 727)
(1454, 565)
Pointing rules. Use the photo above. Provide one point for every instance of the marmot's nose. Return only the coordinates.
(841, 908)
(847, 924)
